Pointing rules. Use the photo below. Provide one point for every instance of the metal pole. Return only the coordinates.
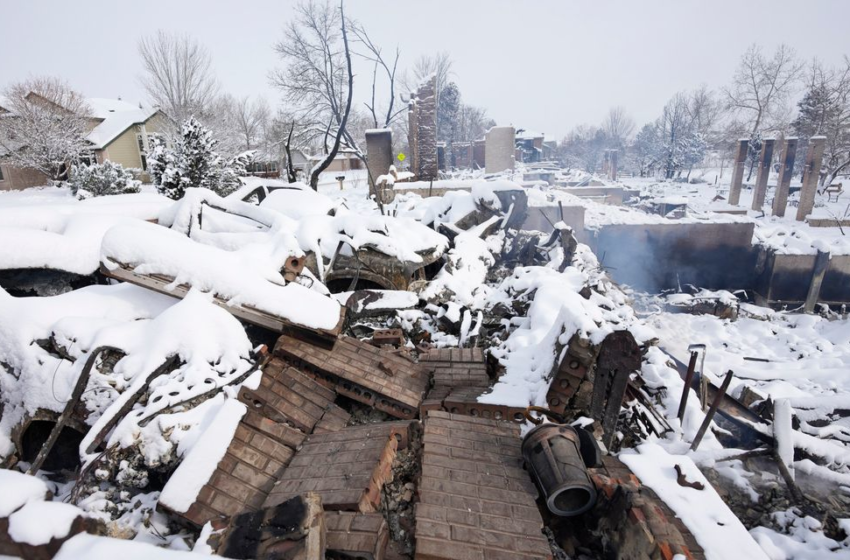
(689, 377)
(718, 398)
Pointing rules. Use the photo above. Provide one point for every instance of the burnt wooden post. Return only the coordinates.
(718, 398)
(818, 272)
(738, 171)
(783, 181)
(689, 378)
(619, 356)
(765, 160)
(811, 174)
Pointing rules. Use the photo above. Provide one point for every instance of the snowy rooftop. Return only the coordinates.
(117, 116)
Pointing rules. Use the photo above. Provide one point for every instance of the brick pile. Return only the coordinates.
(290, 396)
(456, 367)
(347, 468)
(637, 522)
(464, 401)
(373, 376)
(286, 407)
(475, 500)
(356, 535)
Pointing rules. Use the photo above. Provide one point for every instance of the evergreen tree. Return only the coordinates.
(194, 163)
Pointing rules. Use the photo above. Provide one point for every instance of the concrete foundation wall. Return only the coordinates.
(654, 257)
(538, 218)
(785, 279)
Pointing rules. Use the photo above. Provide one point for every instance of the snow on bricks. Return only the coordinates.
(277, 414)
(475, 500)
(637, 523)
(385, 380)
(347, 468)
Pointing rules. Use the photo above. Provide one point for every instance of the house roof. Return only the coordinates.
(116, 116)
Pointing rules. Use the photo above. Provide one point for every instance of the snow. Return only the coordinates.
(298, 201)
(197, 467)
(704, 513)
(19, 489)
(38, 522)
(232, 276)
(66, 235)
(91, 547)
(805, 539)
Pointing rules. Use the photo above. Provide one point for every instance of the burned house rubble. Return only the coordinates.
(473, 369)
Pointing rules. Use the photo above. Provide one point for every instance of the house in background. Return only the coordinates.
(345, 160)
(119, 132)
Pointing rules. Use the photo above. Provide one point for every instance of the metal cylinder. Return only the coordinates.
(553, 454)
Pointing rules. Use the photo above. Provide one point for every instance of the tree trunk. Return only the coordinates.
(325, 163)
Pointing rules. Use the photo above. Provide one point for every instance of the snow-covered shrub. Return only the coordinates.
(194, 163)
(101, 179)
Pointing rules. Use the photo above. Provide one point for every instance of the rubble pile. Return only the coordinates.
(295, 379)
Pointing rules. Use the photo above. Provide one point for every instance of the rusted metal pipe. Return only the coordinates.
(718, 398)
(689, 377)
(553, 455)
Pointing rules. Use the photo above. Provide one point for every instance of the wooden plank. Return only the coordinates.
(245, 313)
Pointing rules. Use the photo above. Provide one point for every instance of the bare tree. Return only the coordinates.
(761, 86)
(619, 126)
(177, 74)
(373, 53)
(250, 117)
(45, 127)
(317, 78)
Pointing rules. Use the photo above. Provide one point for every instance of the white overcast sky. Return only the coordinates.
(543, 65)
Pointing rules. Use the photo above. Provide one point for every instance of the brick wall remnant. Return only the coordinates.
(475, 499)
(456, 367)
(356, 535)
(347, 468)
(422, 131)
(374, 376)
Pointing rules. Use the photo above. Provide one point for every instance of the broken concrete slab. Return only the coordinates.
(476, 501)
(385, 380)
(346, 468)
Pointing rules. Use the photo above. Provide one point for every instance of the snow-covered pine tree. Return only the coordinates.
(157, 157)
(197, 158)
(194, 163)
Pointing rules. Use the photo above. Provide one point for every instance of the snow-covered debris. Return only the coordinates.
(234, 277)
(715, 527)
(91, 547)
(19, 489)
(558, 311)
(38, 522)
(297, 201)
(67, 236)
(197, 467)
